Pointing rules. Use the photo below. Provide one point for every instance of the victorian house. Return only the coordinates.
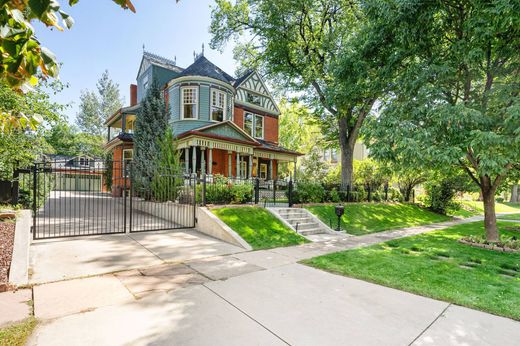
(223, 125)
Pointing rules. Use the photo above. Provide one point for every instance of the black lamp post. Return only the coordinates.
(340, 210)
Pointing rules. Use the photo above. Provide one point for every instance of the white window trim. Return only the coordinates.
(262, 165)
(252, 124)
(224, 108)
(126, 151)
(196, 89)
(263, 127)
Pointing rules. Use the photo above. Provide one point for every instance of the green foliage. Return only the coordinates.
(308, 192)
(436, 265)
(224, 191)
(152, 119)
(440, 195)
(95, 108)
(370, 174)
(456, 103)
(258, 227)
(66, 140)
(19, 147)
(167, 177)
(22, 55)
(322, 49)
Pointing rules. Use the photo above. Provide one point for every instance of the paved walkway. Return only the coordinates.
(259, 297)
(235, 298)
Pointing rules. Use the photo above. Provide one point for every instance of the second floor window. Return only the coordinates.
(218, 105)
(189, 103)
(254, 125)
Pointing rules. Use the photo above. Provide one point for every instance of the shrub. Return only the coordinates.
(241, 193)
(308, 192)
(333, 196)
(439, 197)
(500, 199)
(394, 195)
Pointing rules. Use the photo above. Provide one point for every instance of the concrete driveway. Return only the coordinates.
(61, 259)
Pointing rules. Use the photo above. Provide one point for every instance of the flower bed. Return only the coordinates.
(510, 244)
(6, 252)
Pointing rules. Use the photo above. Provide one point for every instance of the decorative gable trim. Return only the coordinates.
(255, 85)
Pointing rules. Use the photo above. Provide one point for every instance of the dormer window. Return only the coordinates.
(189, 97)
(218, 105)
(253, 99)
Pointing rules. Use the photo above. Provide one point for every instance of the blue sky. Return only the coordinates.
(106, 37)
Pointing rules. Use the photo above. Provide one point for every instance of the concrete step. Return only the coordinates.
(299, 220)
(300, 213)
(311, 231)
(306, 226)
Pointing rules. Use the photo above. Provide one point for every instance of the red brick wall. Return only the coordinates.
(133, 94)
(270, 124)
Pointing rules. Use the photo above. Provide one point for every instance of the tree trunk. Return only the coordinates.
(347, 154)
(514, 194)
(490, 218)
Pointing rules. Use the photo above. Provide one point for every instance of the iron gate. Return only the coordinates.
(107, 197)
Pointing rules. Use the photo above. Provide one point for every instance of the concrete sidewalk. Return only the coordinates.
(259, 297)
(289, 304)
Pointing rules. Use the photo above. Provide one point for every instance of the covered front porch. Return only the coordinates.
(235, 154)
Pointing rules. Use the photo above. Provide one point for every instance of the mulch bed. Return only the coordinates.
(6, 252)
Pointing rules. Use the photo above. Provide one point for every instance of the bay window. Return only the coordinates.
(189, 99)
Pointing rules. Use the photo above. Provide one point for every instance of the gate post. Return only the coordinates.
(274, 193)
(35, 181)
(203, 189)
(125, 196)
(290, 192)
(257, 190)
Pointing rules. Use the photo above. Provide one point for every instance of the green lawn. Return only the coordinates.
(435, 265)
(363, 218)
(472, 208)
(509, 217)
(258, 227)
(17, 334)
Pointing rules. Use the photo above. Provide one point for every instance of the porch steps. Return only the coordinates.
(301, 221)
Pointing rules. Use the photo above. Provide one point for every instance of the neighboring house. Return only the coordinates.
(77, 173)
(332, 155)
(223, 125)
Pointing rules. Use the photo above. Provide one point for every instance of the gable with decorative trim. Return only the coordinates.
(253, 92)
(226, 130)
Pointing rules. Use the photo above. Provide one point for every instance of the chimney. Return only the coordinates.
(133, 94)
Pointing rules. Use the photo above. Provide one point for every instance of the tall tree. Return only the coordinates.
(64, 139)
(320, 48)
(457, 102)
(152, 120)
(95, 108)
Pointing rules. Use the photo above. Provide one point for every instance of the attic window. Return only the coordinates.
(254, 99)
(145, 82)
(218, 105)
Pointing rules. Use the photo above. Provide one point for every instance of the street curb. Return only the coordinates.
(19, 272)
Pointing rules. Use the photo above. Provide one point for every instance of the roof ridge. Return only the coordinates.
(159, 57)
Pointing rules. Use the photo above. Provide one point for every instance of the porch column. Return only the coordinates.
(194, 161)
(187, 160)
(295, 170)
(238, 165)
(270, 169)
(202, 160)
(230, 164)
(250, 175)
(210, 161)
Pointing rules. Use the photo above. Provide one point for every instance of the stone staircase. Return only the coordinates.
(301, 220)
